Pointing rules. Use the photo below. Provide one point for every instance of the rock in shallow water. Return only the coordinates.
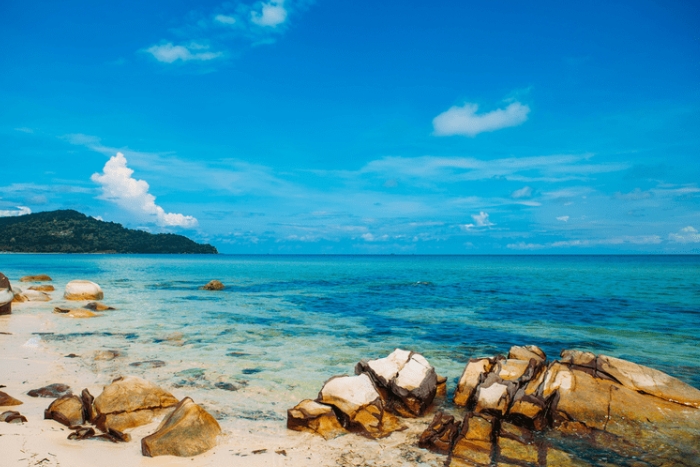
(213, 285)
(36, 278)
(83, 290)
(315, 417)
(188, 431)
(6, 295)
(130, 402)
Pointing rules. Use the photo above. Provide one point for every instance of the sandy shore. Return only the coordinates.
(29, 363)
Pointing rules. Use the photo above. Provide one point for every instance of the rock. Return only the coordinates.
(12, 417)
(83, 290)
(494, 395)
(52, 390)
(648, 380)
(37, 278)
(408, 376)
(440, 434)
(473, 374)
(441, 389)
(527, 352)
(474, 444)
(515, 370)
(107, 354)
(7, 295)
(188, 431)
(75, 312)
(89, 413)
(579, 358)
(516, 445)
(314, 417)
(149, 364)
(97, 306)
(30, 295)
(67, 410)
(42, 288)
(82, 433)
(213, 285)
(359, 403)
(6, 400)
(130, 402)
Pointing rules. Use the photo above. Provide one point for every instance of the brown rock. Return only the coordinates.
(89, 413)
(37, 278)
(515, 370)
(527, 352)
(67, 410)
(42, 288)
(97, 306)
(516, 444)
(107, 354)
(52, 390)
(440, 434)
(441, 389)
(578, 357)
(188, 431)
(6, 400)
(474, 444)
(473, 374)
(213, 285)
(130, 402)
(12, 417)
(7, 296)
(80, 313)
(314, 417)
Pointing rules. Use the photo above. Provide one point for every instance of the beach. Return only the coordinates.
(284, 326)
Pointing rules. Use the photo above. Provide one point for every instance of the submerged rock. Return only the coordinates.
(42, 288)
(97, 306)
(107, 354)
(52, 390)
(188, 431)
(67, 410)
(6, 295)
(30, 295)
(75, 312)
(314, 417)
(213, 285)
(130, 402)
(83, 290)
(7, 400)
(36, 278)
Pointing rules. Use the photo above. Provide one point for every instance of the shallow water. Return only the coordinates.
(285, 324)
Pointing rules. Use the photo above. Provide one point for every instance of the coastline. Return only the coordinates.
(30, 363)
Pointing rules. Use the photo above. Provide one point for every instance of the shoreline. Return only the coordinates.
(30, 362)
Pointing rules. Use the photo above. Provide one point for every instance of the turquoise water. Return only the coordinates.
(285, 324)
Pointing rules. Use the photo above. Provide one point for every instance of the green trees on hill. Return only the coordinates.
(69, 231)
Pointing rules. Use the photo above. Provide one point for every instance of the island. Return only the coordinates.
(69, 231)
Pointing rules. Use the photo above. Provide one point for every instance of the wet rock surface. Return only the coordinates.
(581, 410)
(213, 285)
(97, 306)
(188, 431)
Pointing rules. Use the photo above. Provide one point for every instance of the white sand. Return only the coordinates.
(29, 363)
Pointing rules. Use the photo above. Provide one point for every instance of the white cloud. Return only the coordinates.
(563, 218)
(21, 211)
(272, 14)
(131, 194)
(480, 220)
(625, 239)
(224, 19)
(524, 192)
(169, 53)
(685, 235)
(464, 120)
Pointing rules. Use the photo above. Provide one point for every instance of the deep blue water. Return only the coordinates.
(290, 322)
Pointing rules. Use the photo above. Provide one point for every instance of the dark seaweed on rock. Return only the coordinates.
(69, 231)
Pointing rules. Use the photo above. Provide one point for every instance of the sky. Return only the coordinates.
(337, 127)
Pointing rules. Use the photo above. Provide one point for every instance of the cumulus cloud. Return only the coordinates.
(480, 220)
(169, 53)
(272, 14)
(225, 19)
(20, 211)
(120, 187)
(465, 121)
(685, 235)
(524, 192)
(563, 218)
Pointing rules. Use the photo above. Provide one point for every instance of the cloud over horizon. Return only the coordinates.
(465, 121)
(120, 187)
(20, 211)
(169, 53)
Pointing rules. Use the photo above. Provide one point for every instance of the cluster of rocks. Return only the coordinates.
(517, 405)
(129, 402)
(402, 384)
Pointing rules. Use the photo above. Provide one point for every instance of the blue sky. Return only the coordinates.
(300, 126)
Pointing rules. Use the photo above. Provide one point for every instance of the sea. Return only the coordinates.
(285, 324)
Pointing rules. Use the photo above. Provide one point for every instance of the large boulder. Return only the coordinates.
(359, 404)
(7, 400)
(130, 402)
(314, 417)
(83, 290)
(67, 410)
(36, 278)
(526, 352)
(6, 295)
(30, 295)
(474, 444)
(473, 374)
(408, 376)
(188, 431)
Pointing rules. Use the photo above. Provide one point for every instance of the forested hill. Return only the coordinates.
(69, 231)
